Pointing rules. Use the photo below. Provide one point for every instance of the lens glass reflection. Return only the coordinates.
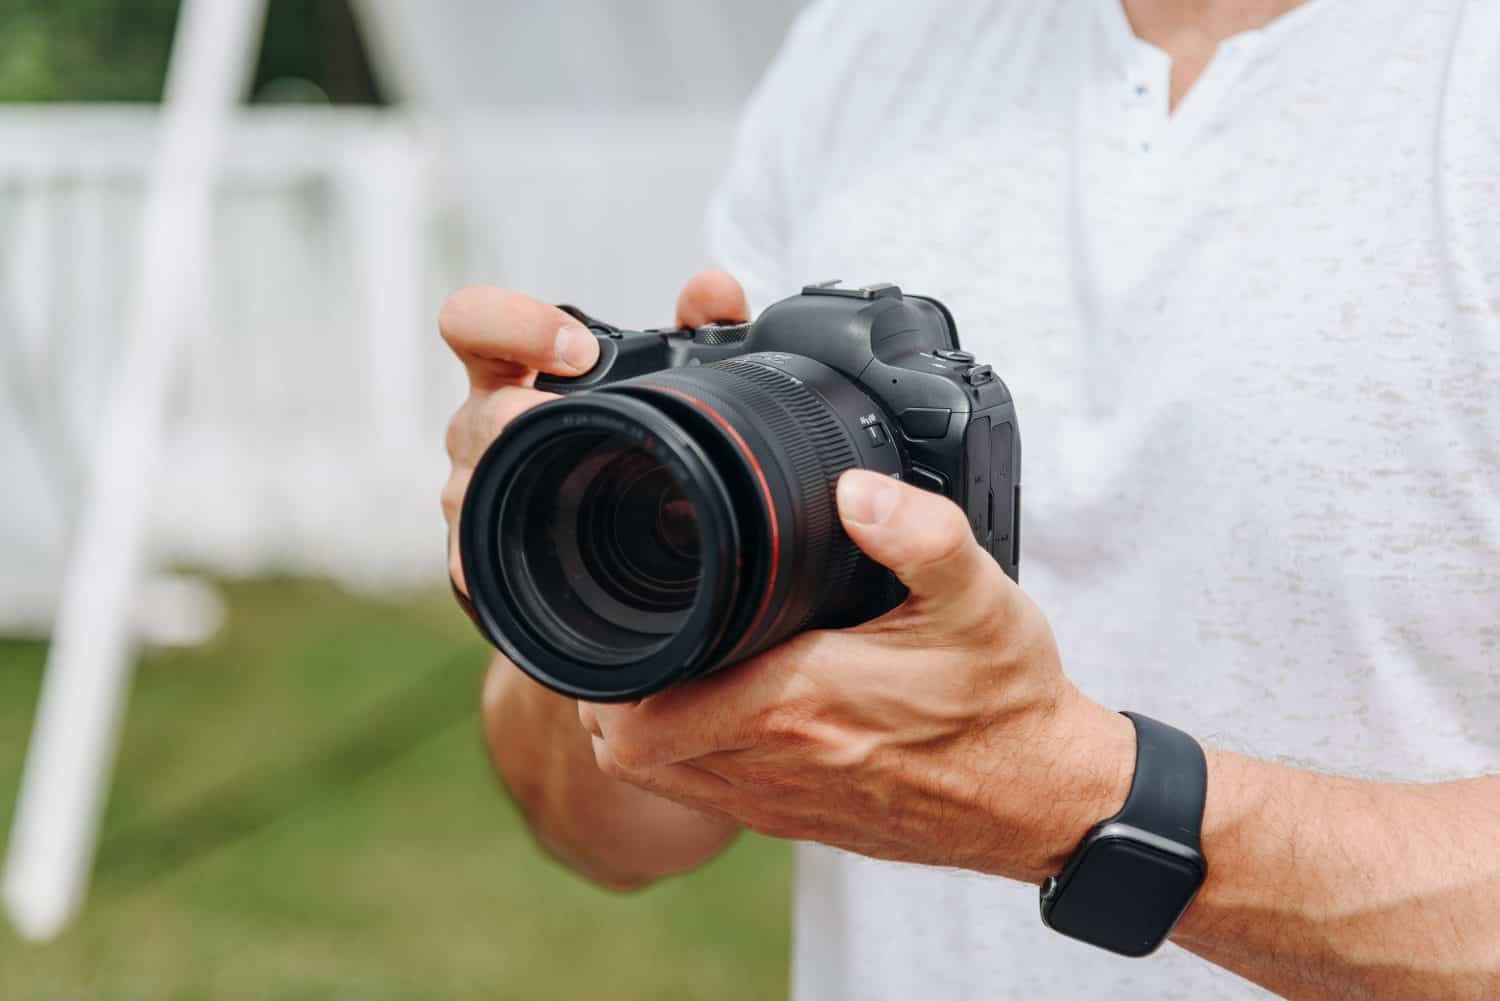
(638, 533)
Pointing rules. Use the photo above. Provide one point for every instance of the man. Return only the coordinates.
(1239, 260)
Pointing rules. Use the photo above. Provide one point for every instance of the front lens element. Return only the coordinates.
(583, 550)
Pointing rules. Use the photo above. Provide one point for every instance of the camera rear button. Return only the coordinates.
(929, 480)
(924, 422)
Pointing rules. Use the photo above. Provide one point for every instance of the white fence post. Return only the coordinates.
(89, 665)
(387, 210)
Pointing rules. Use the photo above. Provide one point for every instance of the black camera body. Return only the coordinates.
(675, 512)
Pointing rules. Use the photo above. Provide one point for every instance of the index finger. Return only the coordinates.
(507, 337)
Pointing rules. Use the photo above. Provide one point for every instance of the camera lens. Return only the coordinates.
(624, 538)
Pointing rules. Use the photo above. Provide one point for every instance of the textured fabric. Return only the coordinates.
(1255, 346)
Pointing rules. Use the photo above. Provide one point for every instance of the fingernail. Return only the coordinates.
(867, 498)
(576, 348)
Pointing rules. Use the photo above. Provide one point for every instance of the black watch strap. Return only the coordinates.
(1134, 874)
(1171, 780)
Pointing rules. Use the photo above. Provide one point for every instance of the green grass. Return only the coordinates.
(302, 810)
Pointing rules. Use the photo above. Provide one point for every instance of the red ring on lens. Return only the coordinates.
(760, 476)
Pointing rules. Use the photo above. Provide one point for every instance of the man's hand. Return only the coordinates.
(943, 732)
(614, 833)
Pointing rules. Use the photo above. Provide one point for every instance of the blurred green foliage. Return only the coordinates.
(116, 50)
(84, 50)
(303, 810)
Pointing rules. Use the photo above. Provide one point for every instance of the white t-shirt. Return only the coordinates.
(1255, 347)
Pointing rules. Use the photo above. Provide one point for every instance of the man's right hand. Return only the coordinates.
(614, 833)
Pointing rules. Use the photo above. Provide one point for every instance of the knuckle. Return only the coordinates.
(945, 537)
(951, 524)
(455, 434)
(452, 497)
(481, 419)
(801, 657)
(631, 750)
(791, 720)
(797, 652)
(793, 716)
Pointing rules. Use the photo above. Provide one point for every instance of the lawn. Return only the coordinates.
(302, 810)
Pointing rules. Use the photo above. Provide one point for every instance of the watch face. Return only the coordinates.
(1123, 895)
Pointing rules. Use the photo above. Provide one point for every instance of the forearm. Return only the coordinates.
(1325, 887)
(613, 833)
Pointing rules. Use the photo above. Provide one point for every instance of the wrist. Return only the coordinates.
(1092, 762)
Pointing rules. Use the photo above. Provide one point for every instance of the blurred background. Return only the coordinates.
(301, 806)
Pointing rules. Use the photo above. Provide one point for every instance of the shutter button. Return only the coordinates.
(960, 356)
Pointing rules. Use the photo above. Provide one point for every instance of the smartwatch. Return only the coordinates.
(1134, 874)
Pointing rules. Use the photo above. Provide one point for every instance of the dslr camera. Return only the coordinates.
(674, 512)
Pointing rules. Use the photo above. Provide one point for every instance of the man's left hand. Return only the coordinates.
(943, 732)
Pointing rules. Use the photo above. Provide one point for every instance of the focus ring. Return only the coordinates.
(819, 451)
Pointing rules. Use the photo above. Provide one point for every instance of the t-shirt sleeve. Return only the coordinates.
(751, 213)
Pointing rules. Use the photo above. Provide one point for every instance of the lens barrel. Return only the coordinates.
(620, 539)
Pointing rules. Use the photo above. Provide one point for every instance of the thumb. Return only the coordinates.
(921, 537)
(712, 297)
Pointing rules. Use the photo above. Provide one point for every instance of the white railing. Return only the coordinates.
(306, 426)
